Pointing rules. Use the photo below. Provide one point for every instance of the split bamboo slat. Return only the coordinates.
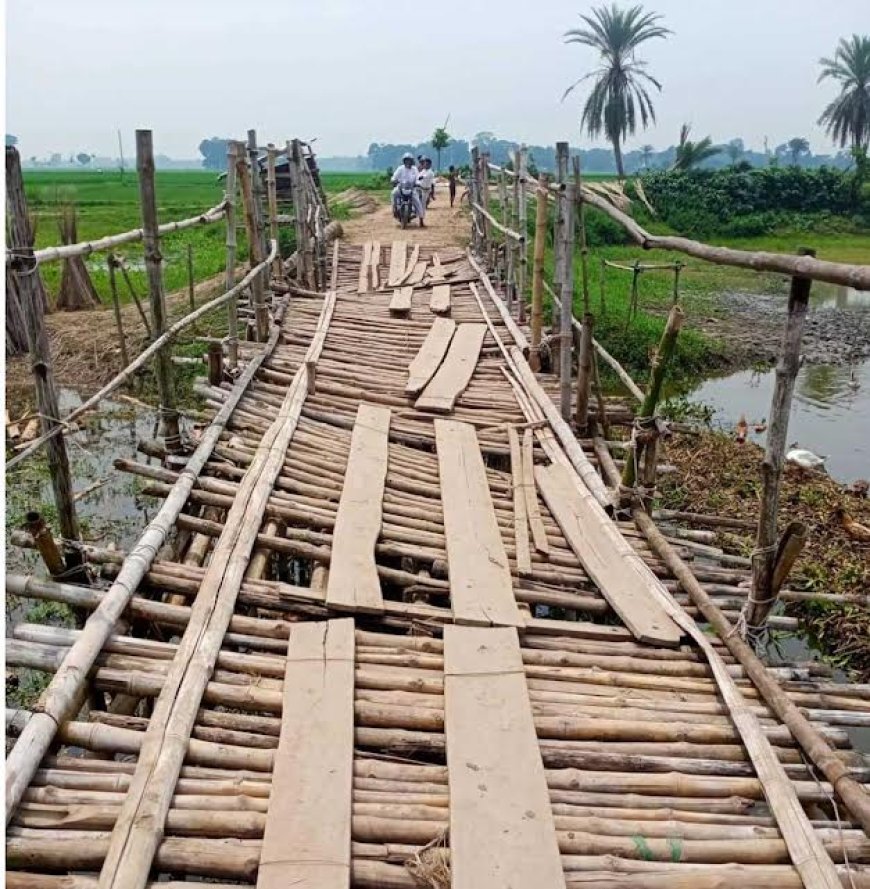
(247, 728)
(454, 374)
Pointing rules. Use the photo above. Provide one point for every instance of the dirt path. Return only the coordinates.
(445, 227)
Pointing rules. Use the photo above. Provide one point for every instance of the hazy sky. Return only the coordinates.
(355, 71)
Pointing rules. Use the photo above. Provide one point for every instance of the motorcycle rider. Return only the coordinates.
(406, 174)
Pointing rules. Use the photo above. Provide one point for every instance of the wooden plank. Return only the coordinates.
(430, 356)
(436, 273)
(521, 522)
(398, 252)
(530, 492)
(364, 269)
(400, 304)
(417, 272)
(481, 591)
(611, 568)
(307, 836)
(410, 265)
(502, 831)
(440, 301)
(353, 575)
(375, 265)
(455, 373)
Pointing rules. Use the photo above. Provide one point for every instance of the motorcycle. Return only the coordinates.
(404, 209)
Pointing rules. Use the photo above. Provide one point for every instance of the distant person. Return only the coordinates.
(451, 183)
(406, 174)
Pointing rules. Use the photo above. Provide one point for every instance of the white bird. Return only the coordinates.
(853, 381)
(805, 459)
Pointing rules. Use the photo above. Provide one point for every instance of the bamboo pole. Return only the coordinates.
(153, 268)
(261, 313)
(58, 699)
(647, 410)
(522, 223)
(762, 597)
(538, 274)
(39, 349)
(191, 281)
(116, 308)
(272, 186)
(256, 187)
(299, 208)
(566, 292)
(585, 357)
(584, 251)
(559, 222)
(45, 543)
(122, 265)
(230, 275)
(144, 358)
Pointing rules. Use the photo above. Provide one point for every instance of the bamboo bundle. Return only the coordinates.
(76, 288)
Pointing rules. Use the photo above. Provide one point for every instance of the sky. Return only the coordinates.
(351, 72)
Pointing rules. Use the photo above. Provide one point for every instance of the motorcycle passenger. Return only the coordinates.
(426, 184)
(406, 175)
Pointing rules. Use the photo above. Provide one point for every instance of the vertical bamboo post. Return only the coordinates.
(230, 275)
(191, 284)
(559, 222)
(678, 267)
(116, 307)
(45, 543)
(566, 294)
(255, 249)
(522, 222)
(154, 271)
(646, 416)
(584, 250)
(538, 272)
(272, 186)
(300, 209)
(215, 364)
(257, 188)
(474, 198)
(489, 236)
(584, 372)
(764, 557)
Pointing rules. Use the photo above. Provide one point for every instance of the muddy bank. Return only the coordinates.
(751, 325)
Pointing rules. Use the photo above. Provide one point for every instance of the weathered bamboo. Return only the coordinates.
(144, 358)
(272, 186)
(305, 272)
(647, 410)
(58, 699)
(522, 223)
(191, 281)
(116, 308)
(39, 349)
(566, 292)
(45, 543)
(258, 294)
(122, 265)
(153, 261)
(215, 364)
(559, 222)
(585, 356)
(538, 274)
(762, 597)
(230, 276)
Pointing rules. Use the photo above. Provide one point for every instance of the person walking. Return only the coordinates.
(451, 183)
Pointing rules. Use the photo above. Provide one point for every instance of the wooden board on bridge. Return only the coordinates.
(430, 356)
(440, 301)
(455, 373)
(400, 304)
(398, 255)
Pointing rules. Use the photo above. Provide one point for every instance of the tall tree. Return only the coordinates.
(847, 118)
(214, 153)
(796, 147)
(440, 140)
(734, 149)
(646, 152)
(691, 154)
(620, 89)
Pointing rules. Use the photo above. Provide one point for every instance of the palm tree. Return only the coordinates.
(797, 147)
(690, 154)
(620, 90)
(847, 118)
(440, 140)
(646, 152)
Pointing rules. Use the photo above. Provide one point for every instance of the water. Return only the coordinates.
(828, 417)
(836, 296)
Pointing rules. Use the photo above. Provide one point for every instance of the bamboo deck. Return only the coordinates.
(458, 704)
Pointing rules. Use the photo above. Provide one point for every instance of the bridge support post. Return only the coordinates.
(522, 225)
(559, 224)
(230, 276)
(157, 296)
(538, 273)
(565, 288)
(255, 247)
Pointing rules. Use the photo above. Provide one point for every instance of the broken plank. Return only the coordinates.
(398, 253)
(456, 371)
(436, 273)
(400, 304)
(410, 265)
(533, 510)
(611, 568)
(417, 273)
(375, 264)
(440, 301)
(353, 574)
(521, 522)
(481, 590)
(502, 831)
(308, 825)
(430, 356)
(364, 269)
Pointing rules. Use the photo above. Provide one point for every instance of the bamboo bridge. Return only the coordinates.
(387, 630)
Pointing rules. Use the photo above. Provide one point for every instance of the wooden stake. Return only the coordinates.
(261, 314)
(45, 543)
(116, 307)
(522, 223)
(153, 267)
(230, 276)
(272, 186)
(191, 283)
(538, 273)
(587, 303)
(585, 357)
(215, 364)
(559, 224)
(566, 288)
(764, 557)
(21, 241)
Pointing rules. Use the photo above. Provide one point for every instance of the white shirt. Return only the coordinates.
(425, 178)
(405, 175)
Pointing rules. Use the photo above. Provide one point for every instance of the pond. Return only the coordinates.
(830, 413)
